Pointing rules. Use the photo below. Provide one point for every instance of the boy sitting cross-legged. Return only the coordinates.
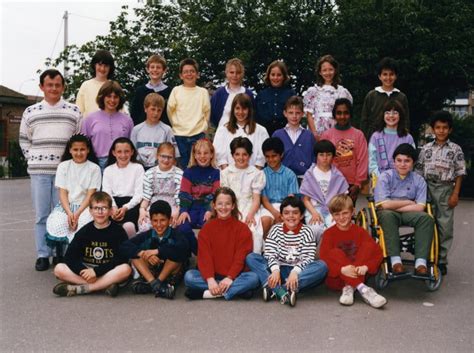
(288, 265)
(350, 254)
(92, 261)
(158, 254)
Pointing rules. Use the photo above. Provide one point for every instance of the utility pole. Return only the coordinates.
(66, 18)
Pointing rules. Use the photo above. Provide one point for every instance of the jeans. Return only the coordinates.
(185, 143)
(244, 282)
(45, 196)
(312, 275)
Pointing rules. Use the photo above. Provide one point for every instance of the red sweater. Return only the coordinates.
(222, 247)
(350, 242)
(351, 153)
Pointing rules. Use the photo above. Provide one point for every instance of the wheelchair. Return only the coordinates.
(367, 219)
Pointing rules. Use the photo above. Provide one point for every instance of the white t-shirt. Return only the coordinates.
(124, 182)
(77, 179)
(228, 104)
(323, 179)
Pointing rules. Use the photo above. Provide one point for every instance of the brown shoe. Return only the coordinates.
(398, 269)
(421, 270)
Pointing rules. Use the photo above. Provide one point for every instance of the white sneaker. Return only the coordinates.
(371, 297)
(207, 295)
(347, 296)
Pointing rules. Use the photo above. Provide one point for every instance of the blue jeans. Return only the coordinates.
(185, 143)
(312, 275)
(45, 196)
(244, 282)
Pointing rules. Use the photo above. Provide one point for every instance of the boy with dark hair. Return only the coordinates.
(400, 196)
(156, 68)
(44, 132)
(320, 184)
(188, 109)
(150, 134)
(280, 183)
(298, 141)
(92, 261)
(288, 263)
(350, 254)
(372, 110)
(351, 147)
(442, 164)
(158, 254)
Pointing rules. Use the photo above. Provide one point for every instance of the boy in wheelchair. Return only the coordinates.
(400, 198)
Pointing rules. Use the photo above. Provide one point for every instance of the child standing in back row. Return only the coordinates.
(442, 164)
(188, 109)
(200, 181)
(319, 100)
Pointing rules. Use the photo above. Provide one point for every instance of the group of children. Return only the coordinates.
(262, 204)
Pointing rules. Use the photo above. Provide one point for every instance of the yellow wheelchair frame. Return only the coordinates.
(368, 220)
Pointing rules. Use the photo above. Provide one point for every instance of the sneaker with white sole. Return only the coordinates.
(370, 296)
(347, 296)
(64, 290)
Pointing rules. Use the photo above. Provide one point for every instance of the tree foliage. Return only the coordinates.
(432, 40)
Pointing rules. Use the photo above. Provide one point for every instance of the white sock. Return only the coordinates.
(207, 295)
(82, 289)
(395, 260)
(419, 262)
(361, 287)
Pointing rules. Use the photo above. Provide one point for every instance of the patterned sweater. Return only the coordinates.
(44, 132)
(197, 187)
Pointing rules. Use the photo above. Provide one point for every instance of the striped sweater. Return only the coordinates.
(286, 248)
(159, 185)
(44, 132)
(198, 186)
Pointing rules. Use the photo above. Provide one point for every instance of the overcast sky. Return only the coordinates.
(31, 31)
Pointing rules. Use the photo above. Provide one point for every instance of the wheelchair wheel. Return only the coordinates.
(362, 219)
(433, 285)
(381, 280)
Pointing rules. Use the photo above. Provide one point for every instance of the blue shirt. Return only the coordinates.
(279, 184)
(390, 186)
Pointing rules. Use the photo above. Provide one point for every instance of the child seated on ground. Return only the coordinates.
(247, 182)
(298, 141)
(400, 197)
(288, 265)
(158, 254)
(280, 182)
(442, 164)
(161, 183)
(200, 181)
(92, 261)
(223, 244)
(150, 134)
(350, 254)
(320, 184)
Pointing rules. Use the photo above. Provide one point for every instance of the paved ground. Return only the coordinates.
(33, 319)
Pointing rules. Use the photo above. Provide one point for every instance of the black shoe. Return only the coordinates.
(58, 260)
(112, 290)
(42, 264)
(443, 268)
(141, 287)
(193, 294)
(165, 291)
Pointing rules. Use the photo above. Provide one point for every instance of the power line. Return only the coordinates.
(56, 40)
(90, 18)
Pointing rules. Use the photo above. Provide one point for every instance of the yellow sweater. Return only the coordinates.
(188, 110)
(87, 95)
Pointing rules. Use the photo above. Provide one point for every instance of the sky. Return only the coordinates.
(31, 31)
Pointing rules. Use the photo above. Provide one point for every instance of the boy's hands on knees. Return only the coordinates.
(89, 275)
(207, 216)
(315, 218)
(154, 260)
(250, 219)
(276, 216)
(213, 286)
(349, 271)
(453, 200)
(361, 270)
(274, 279)
(225, 284)
(292, 281)
(183, 217)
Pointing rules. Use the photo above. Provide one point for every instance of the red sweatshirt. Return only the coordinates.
(222, 247)
(351, 153)
(357, 245)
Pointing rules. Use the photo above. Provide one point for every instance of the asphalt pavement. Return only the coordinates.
(33, 319)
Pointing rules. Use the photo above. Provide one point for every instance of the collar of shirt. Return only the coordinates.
(279, 171)
(165, 236)
(289, 129)
(234, 91)
(57, 104)
(157, 88)
(380, 90)
(295, 231)
(390, 131)
(445, 143)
